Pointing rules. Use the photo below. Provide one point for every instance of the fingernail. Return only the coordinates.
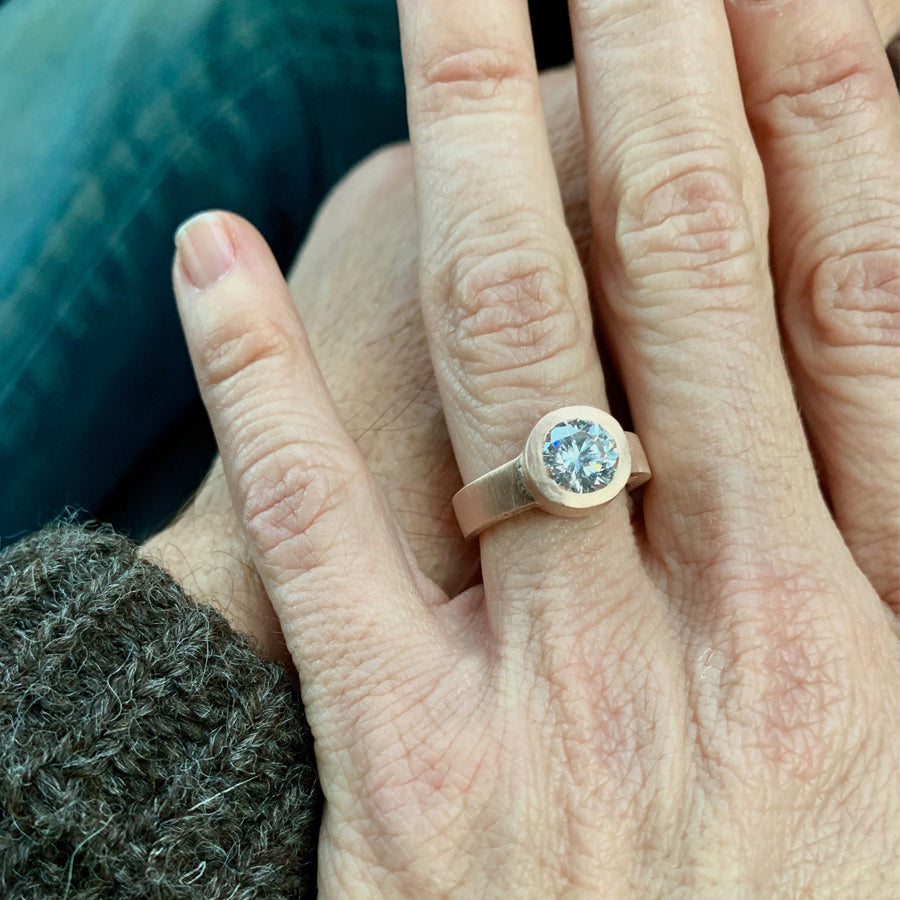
(205, 249)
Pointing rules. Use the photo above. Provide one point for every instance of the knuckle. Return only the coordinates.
(797, 685)
(460, 82)
(803, 710)
(840, 82)
(288, 497)
(231, 350)
(686, 222)
(855, 301)
(514, 313)
(386, 169)
(391, 161)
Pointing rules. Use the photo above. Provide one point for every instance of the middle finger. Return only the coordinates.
(680, 249)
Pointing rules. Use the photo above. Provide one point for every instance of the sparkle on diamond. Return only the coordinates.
(580, 455)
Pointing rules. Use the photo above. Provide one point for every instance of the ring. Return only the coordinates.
(575, 459)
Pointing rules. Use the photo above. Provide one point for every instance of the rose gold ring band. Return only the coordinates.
(544, 473)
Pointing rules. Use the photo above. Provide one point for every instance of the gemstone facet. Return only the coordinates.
(580, 455)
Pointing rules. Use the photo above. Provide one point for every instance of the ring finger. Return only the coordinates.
(503, 295)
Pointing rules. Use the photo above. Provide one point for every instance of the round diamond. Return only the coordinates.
(581, 456)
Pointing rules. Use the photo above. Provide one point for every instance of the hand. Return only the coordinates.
(700, 701)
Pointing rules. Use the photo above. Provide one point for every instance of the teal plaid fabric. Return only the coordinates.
(120, 119)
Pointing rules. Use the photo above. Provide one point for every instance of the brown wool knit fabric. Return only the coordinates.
(146, 751)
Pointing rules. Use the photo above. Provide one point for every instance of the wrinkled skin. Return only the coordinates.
(696, 697)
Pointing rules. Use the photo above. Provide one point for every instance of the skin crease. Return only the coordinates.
(698, 704)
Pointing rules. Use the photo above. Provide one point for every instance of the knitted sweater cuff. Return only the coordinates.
(146, 751)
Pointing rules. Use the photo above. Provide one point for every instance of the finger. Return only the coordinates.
(324, 546)
(823, 106)
(503, 295)
(678, 207)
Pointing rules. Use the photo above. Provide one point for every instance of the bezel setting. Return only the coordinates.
(550, 495)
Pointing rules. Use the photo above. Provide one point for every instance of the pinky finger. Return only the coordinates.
(325, 546)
